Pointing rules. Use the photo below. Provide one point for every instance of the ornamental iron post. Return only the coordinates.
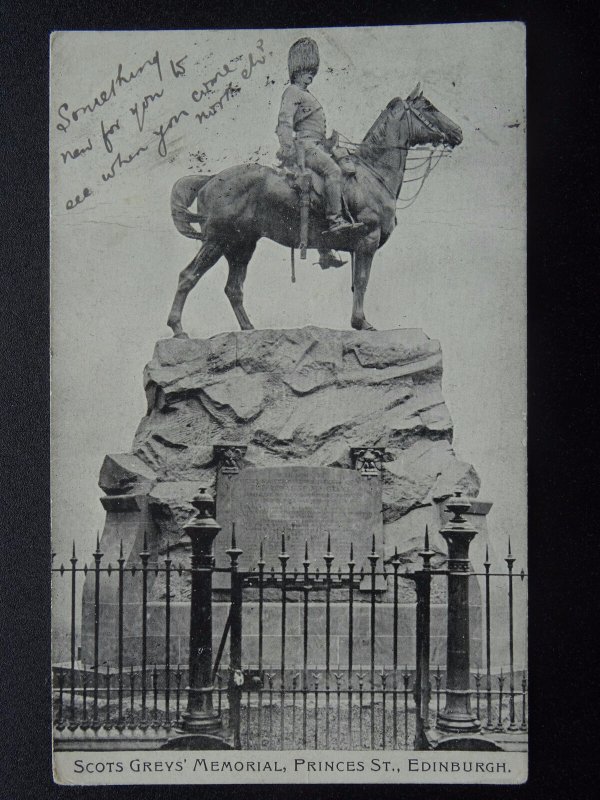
(423, 645)
(457, 716)
(236, 677)
(202, 529)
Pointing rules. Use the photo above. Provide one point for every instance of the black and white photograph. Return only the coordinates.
(288, 405)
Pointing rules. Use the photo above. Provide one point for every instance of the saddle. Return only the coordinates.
(310, 185)
(294, 172)
(295, 177)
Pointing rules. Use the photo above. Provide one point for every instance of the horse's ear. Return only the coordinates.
(415, 92)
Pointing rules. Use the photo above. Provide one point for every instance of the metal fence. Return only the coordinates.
(367, 695)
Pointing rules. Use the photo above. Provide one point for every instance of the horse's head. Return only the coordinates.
(428, 125)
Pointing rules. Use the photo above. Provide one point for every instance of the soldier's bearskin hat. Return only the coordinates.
(303, 57)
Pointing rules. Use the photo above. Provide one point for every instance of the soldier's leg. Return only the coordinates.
(318, 160)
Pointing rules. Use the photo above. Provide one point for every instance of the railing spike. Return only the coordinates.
(487, 552)
(145, 540)
(97, 541)
(509, 552)
(74, 548)
(260, 552)
(328, 542)
(373, 544)
(351, 551)
(426, 537)
(306, 549)
(283, 541)
(233, 542)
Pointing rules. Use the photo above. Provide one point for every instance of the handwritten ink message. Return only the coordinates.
(137, 112)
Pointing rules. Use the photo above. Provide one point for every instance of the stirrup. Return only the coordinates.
(328, 260)
(341, 226)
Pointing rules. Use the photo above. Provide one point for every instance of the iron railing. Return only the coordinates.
(368, 694)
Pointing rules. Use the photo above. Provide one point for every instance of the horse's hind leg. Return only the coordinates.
(208, 256)
(238, 258)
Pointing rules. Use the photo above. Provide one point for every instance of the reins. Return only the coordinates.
(430, 164)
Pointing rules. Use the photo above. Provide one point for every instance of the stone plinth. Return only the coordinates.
(297, 401)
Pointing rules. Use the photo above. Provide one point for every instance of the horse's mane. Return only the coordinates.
(376, 134)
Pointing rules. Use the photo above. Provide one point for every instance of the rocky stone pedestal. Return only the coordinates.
(308, 432)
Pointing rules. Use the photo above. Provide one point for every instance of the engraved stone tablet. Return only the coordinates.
(305, 503)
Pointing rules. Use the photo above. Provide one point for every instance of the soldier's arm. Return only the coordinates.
(285, 120)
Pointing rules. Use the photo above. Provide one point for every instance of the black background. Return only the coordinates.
(563, 126)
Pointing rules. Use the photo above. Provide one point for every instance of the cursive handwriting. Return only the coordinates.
(78, 199)
(114, 128)
(149, 98)
(121, 162)
(162, 131)
(105, 96)
(252, 62)
(214, 108)
(77, 152)
(107, 133)
(198, 95)
(177, 68)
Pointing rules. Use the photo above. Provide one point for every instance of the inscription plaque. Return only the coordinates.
(305, 503)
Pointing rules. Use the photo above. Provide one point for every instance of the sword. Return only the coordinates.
(304, 198)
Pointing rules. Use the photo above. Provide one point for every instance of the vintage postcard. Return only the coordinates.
(288, 405)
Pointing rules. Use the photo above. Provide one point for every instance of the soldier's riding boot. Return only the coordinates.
(333, 204)
(328, 259)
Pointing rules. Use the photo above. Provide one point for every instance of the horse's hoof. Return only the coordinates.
(362, 325)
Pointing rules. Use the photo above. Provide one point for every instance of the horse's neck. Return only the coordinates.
(388, 155)
(391, 165)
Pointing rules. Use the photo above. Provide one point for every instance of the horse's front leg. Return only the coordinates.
(363, 258)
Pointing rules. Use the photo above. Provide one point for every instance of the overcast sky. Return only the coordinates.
(455, 265)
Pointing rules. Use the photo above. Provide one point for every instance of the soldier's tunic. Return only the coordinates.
(302, 114)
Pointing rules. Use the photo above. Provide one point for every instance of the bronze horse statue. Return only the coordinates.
(240, 205)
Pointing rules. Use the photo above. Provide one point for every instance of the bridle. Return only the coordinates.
(408, 111)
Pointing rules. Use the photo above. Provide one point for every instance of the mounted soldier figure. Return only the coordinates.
(245, 203)
(302, 132)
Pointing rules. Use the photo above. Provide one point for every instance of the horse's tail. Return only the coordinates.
(183, 194)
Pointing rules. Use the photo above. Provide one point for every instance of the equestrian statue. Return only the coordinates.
(324, 196)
